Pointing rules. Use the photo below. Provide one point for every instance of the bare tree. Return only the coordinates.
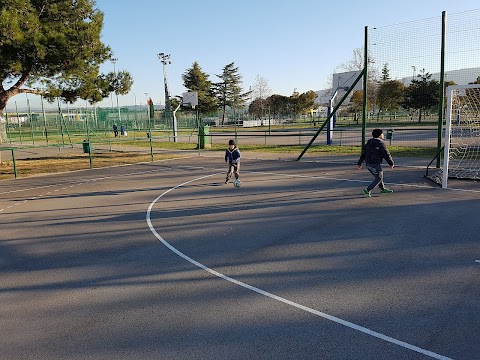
(261, 89)
(357, 63)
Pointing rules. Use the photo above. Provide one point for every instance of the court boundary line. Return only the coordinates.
(276, 297)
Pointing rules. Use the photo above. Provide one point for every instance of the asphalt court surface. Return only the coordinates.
(163, 261)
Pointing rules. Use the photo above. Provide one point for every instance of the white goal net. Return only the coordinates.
(461, 158)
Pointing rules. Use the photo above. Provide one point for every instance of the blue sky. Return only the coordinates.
(292, 44)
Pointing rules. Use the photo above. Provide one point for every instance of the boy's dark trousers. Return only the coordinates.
(377, 171)
(233, 168)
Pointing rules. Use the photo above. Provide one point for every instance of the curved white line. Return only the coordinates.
(278, 298)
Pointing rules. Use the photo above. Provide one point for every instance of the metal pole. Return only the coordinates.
(442, 88)
(331, 123)
(175, 123)
(333, 112)
(148, 112)
(365, 78)
(62, 122)
(198, 131)
(90, 154)
(165, 59)
(30, 120)
(19, 125)
(9, 137)
(95, 118)
(135, 99)
(114, 61)
(150, 138)
(44, 120)
(14, 164)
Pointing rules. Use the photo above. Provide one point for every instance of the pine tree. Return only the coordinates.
(385, 73)
(422, 94)
(194, 79)
(229, 89)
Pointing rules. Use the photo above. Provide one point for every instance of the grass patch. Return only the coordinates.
(48, 165)
(62, 163)
(289, 149)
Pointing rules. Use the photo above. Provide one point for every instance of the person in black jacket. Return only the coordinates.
(232, 156)
(373, 153)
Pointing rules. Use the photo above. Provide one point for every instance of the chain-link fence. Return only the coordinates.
(411, 64)
(408, 64)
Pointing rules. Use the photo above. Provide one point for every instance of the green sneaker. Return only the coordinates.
(386, 191)
(367, 193)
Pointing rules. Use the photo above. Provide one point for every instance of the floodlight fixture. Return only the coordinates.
(164, 58)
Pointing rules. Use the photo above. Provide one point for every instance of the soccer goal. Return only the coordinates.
(461, 157)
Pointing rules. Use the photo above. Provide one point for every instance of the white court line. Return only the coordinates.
(332, 178)
(358, 181)
(86, 181)
(278, 298)
(21, 190)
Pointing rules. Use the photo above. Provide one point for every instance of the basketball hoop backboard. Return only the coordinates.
(190, 99)
(343, 81)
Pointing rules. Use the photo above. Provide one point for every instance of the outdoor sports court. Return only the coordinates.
(163, 261)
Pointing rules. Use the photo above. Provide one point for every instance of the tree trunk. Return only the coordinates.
(223, 114)
(3, 131)
(3, 122)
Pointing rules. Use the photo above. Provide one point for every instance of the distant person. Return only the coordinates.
(122, 130)
(115, 130)
(373, 153)
(232, 156)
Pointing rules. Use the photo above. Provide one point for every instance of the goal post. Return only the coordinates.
(461, 158)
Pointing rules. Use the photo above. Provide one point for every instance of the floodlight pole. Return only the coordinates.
(114, 61)
(165, 59)
(148, 107)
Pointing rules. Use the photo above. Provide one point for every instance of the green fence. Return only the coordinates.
(411, 64)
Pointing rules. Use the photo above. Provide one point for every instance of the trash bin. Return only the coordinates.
(389, 134)
(86, 147)
(204, 139)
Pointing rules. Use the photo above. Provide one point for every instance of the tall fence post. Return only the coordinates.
(14, 163)
(44, 120)
(365, 84)
(442, 87)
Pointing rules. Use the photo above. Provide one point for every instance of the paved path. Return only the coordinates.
(128, 263)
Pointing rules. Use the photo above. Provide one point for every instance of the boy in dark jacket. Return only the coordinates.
(373, 153)
(232, 156)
